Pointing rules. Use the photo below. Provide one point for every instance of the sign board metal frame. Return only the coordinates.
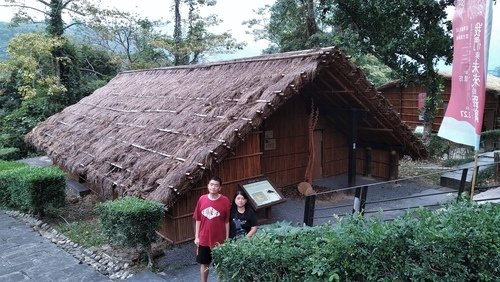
(262, 193)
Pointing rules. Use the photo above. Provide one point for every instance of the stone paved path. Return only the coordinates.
(25, 256)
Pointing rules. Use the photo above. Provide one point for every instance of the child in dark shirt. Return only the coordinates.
(243, 221)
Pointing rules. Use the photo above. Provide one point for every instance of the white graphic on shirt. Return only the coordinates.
(210, 212)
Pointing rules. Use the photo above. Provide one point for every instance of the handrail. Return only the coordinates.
(360, 202)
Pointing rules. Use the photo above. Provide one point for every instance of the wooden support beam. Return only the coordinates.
(376, 129)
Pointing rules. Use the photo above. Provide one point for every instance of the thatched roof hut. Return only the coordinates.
(153, 133)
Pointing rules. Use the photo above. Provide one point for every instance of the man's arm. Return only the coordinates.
(197, 232)
(227, 230)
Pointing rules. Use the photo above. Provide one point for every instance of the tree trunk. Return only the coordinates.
(177, 33)
(311, 25)
(55, 24)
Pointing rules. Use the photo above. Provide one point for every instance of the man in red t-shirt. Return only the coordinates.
(212, 224)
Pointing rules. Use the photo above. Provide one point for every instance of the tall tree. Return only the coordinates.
(409, 36)
(179, 58)
(131, 39)
(192, 38)
(52, 11)
(298, 24)
(29, 88)
(144, 43)
(293, 25)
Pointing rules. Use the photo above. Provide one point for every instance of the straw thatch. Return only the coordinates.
(154, 133)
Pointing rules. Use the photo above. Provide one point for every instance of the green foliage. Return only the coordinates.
(4, 181)
(85, 233)
(19, 122)
(406, 35)
(493, 134)
(8, 165)
(29, 86)
(438, 147)
(458, 243)
(287, 26)
(4, 190)
(9, 153)
(374, 69)
(130, 221)
(30, 65)
(55, 24)
(485, 175)
(490, 139)
(35, 188)
(291, 26)
(7, 32)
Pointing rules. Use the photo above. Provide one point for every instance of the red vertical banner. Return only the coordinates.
(463, 120)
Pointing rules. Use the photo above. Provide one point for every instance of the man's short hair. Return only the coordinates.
(216, 178)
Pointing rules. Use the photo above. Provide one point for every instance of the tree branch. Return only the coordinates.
(71, 24)
(24, 7)
(66, 3)
(92, 71)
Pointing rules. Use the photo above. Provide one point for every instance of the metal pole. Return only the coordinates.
(356, 207)
(461, 187)
(309, 210)
(364, 191)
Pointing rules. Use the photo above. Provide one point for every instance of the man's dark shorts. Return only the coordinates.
(204, 255)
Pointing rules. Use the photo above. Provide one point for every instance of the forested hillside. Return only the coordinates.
(7, 32)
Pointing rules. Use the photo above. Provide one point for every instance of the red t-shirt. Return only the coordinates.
(213, 216)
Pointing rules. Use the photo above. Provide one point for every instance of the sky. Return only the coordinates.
(234, 12)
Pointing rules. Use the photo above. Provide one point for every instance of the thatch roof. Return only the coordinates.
(492, 83)
(153, 133)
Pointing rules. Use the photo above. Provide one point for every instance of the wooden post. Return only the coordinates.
(474, 174)
(497, 166)
(368, 161)
(392, 165)
(353, 136)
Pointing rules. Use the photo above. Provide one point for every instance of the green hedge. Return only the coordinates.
(4, 181)
(9, 153)
(130, 221)
(7, 165)
(460, 243)
(34, 188)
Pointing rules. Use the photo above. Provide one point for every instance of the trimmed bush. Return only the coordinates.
(5, 179)
(6, 165)
(459, 243)
(36, 188)
(131, 221)
(9, 153)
